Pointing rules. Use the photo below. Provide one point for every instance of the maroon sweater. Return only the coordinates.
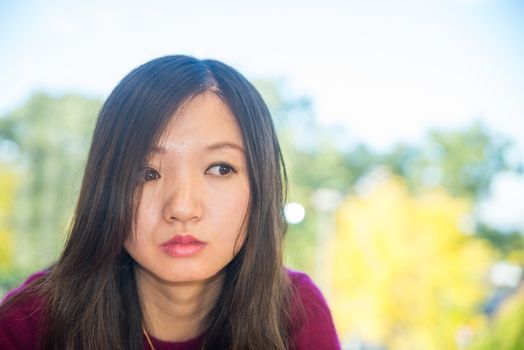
(19, 327)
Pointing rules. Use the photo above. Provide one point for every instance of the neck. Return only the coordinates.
(176, 311)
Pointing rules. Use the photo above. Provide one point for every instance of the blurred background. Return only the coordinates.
(402, 124)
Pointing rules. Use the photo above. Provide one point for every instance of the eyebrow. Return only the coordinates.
(222, 145)
(211, 147)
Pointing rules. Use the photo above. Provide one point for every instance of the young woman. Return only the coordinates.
(176, 241)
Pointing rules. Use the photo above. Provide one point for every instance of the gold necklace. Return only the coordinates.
(148, 339)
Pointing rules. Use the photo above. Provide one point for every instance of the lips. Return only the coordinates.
(182, 246)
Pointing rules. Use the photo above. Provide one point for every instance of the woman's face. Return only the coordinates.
(190, 218)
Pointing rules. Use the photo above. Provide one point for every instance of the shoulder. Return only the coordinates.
(21, 316)
(35, 276)
(305, 289)
(312, 324)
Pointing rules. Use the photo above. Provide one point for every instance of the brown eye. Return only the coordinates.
(224, 169)
(220, 170)
(151, 174)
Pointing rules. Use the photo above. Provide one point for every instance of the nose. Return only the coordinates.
(183, 201)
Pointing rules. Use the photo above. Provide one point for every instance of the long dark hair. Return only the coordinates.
(91, 293)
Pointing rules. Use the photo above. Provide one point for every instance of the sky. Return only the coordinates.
(386, 70)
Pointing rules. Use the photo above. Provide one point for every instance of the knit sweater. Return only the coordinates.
(21, 325)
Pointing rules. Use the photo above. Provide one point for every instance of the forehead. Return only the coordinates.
(203, 119)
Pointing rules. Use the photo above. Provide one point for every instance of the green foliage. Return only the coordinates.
(464, 162)
(51, 135)
(504, 242)
(506, 332)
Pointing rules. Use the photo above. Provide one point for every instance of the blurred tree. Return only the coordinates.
(507, 243)
(314, 159)
(7, 184)
(407, 272)
(51, 136)
(506, 332)
(324, 167)
(464, 162)
(417, 282)
(294, 122)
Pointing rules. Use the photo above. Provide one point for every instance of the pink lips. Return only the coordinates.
(182, 246)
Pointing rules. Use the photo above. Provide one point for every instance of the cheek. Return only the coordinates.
(230, 217)
(145, 216)
(142, 223)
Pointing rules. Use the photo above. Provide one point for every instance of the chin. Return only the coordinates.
(190, 276)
